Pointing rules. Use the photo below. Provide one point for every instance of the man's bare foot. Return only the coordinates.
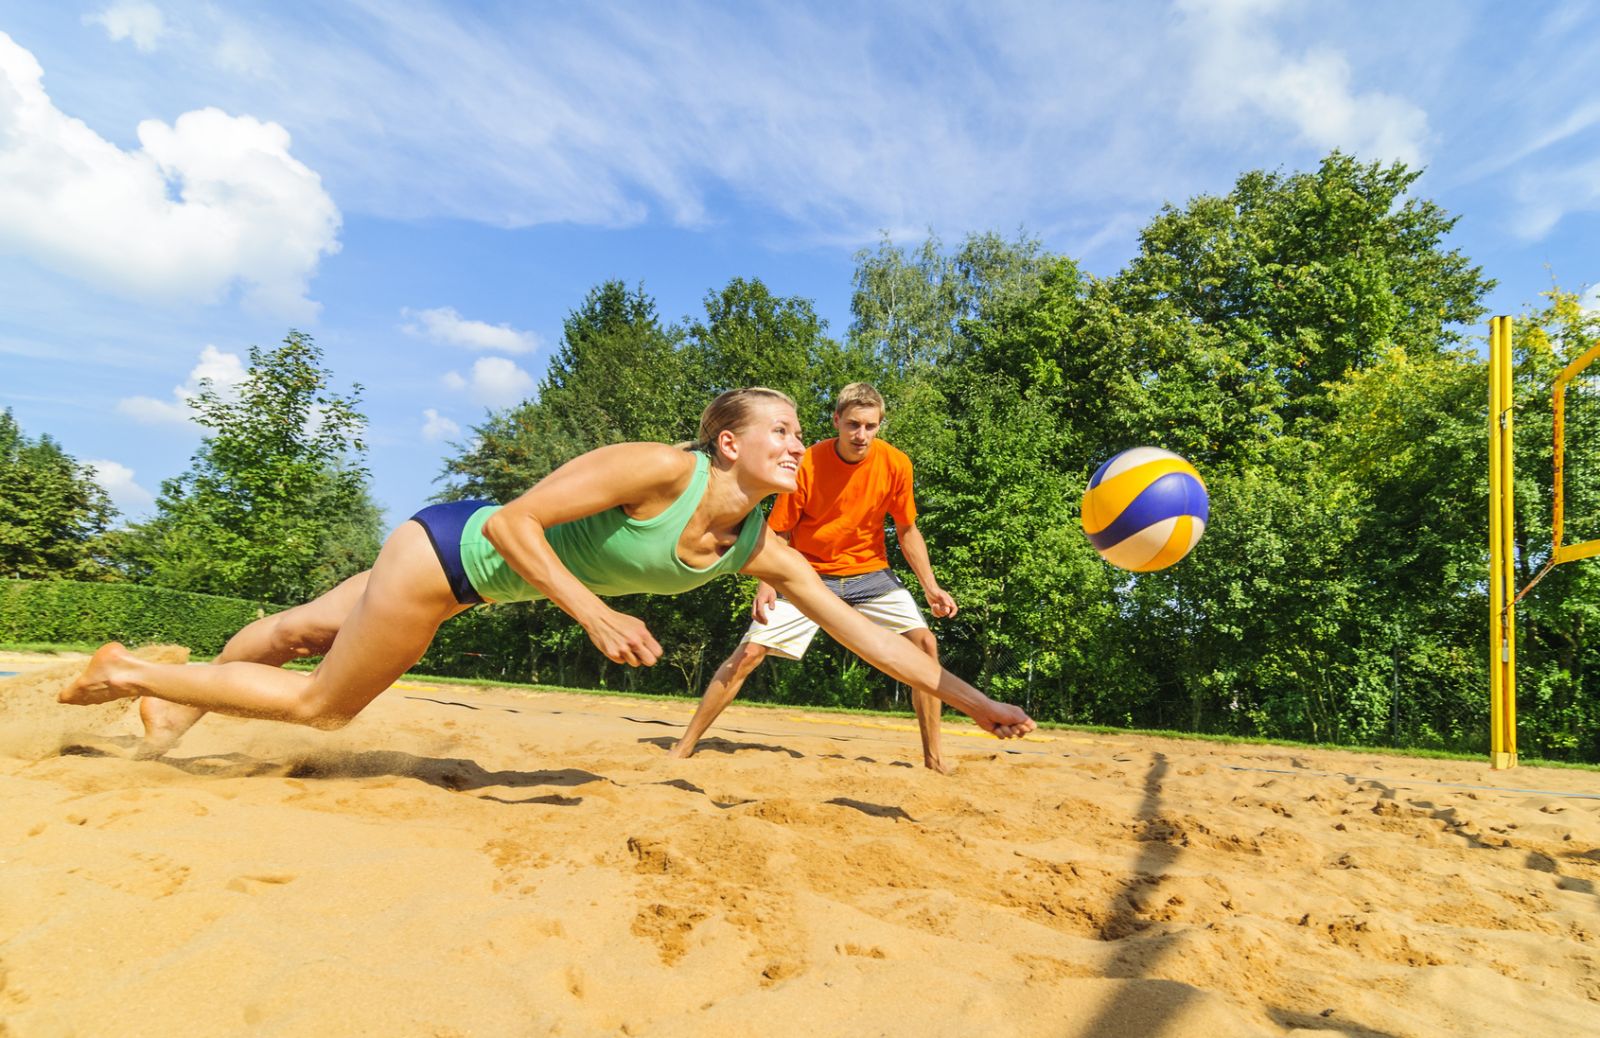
(104, 679)
(164, 725)
(681, 752)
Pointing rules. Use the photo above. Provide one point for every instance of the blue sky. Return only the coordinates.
(429, 188)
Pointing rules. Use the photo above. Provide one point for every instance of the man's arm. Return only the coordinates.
(915, 550)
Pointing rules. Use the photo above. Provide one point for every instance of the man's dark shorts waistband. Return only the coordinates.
(862, 587)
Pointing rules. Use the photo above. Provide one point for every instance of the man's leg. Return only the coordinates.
(928, 706)
(786, 632)
(725, 684)
(896, 611)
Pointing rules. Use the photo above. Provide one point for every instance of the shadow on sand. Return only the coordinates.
(457, 774)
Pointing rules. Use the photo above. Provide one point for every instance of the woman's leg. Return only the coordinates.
(405, 600)
(306, 630)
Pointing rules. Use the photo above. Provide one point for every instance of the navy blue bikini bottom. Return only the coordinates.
(444, 524)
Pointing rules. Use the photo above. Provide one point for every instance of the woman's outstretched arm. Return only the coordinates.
(787, 570)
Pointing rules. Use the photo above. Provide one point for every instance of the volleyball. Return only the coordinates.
(1145, 509)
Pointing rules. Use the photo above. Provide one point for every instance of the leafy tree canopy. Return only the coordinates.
(275, 504)
(53, 514)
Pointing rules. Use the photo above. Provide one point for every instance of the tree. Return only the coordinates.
(53, 515)
(918, 311)
(1310, 275)
(750, 337)
(275, 504)
(619, 375)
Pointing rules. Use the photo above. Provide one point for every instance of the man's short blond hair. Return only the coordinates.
(858, 394)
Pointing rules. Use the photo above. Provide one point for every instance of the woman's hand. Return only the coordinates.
(779, 565)
(622, 638)
(625, 475)
(1003, 721)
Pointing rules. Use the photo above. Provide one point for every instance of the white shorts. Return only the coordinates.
(788, 631)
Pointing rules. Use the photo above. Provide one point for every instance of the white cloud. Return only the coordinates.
(444, 324)
(897, 116)
(210, 202)
(1553, 191)
(131, 20)
(1590, 301)
(494, 382)
(117, 481)
(839, 126)
(1573, 123)
(1241, 70)
(240, 53)
(147, 410)
(437, 427)
(225, 370)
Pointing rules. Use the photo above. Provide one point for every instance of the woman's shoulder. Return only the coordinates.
(651, 460)
(632, 474)
(656, 472)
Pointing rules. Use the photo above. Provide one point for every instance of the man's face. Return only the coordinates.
(858, 427)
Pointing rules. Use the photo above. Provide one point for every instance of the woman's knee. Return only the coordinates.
(297, 634)
(316, 708)
(331, 722)
(327, 701)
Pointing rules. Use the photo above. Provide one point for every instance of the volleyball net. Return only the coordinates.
(1575, 511)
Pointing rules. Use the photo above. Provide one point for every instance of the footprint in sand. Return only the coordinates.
(257, 883)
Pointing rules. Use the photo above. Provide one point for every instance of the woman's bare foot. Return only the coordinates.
(164, 724)
(107, 677)
(937, 764)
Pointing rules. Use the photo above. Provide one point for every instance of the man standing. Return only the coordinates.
(844, 488)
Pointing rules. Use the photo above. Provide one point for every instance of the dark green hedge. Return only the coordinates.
(491, 643)
(71, 611)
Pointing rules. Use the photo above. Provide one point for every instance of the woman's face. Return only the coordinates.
(770, 447)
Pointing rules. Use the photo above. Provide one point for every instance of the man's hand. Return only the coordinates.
(940, 602)
(623, 638)
(766, 598)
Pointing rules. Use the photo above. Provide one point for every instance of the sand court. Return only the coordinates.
(492, 861)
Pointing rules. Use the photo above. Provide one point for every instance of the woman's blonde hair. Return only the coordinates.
(732, 410)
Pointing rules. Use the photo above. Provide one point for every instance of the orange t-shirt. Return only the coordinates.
(835, 515)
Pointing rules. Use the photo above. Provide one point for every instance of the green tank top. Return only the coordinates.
(610, 553)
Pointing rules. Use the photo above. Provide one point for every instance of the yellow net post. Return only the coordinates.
(1502, 572)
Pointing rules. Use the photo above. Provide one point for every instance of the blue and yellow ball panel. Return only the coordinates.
(1145, 509)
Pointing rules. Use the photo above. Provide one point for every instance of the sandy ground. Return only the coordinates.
(496, 862)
